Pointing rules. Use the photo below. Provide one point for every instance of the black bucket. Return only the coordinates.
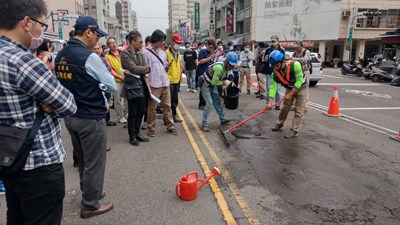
(231, 99)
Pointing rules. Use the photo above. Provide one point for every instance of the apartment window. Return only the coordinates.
(375, 18)
(239, 27)
(242, 5)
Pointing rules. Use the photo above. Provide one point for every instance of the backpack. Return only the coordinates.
(308, 62)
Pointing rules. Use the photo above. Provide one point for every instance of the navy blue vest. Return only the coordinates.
(70, 71)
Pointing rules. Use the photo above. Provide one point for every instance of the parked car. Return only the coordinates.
(316, 55)
(317, 71)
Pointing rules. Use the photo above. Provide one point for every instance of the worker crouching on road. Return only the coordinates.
(290, 74)
(208, 82)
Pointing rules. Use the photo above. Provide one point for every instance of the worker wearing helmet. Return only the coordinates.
(290, 74)
(214, 76)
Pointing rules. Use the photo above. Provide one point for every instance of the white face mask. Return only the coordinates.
(220, 48)
(176, 47)
(36, 42)
(247, 49)
(231, 48)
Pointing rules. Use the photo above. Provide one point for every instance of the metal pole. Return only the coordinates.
(52, 21)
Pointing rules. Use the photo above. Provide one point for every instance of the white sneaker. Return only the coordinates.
(122, 120)
(194, 91)
(188, 90)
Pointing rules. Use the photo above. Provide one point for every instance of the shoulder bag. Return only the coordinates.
(16, 143)
(134, 88)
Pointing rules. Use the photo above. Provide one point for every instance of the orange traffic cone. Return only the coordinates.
(251, 80)
(396, 138)
(333, 109)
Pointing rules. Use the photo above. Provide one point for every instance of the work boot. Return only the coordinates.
(205, 129)
(291, 134)
(226, 121)
(277, 127)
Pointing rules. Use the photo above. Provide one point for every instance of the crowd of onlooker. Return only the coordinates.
(140, 79)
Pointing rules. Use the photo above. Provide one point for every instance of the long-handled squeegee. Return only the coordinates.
(243, 122)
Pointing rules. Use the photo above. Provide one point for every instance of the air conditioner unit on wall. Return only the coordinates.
(346, 14)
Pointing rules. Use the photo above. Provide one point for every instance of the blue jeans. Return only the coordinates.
(268, 83)
(210, 95)
(191, 79)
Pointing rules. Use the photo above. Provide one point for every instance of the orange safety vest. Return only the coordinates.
(289, 71)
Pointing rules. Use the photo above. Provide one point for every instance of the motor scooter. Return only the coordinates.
(355, 68)
(385, 73)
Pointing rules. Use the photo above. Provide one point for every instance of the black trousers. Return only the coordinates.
(35, 197)
(236, 78)
(174, 90)
(136, 111)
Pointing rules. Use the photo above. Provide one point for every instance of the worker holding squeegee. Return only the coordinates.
(290, 74)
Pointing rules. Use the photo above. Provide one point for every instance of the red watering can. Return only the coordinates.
(187, 187)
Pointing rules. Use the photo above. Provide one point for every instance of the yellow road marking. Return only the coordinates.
(232, 186)
(214, 186)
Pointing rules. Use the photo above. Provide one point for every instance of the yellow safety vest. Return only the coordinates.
(115, 65)
(174, 71)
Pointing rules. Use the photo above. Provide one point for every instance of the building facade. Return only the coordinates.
(63, 15)
(334, 28)
(177, 13)
(134, 21)
(123, 11)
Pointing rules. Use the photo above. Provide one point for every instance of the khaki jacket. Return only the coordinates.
(129, 62)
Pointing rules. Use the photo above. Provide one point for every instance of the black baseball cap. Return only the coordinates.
(88, 22)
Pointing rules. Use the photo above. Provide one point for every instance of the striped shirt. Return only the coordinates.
(158, 76)
(25, 81)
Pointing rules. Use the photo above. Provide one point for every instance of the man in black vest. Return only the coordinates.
(83, 72)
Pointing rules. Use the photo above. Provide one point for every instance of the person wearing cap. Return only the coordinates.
(82, 71)
(304, 57)
(214, 76)
(190, 61)
(291, 76)
(174, 72)
(29, 90)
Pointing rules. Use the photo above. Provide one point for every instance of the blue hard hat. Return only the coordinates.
(232, 58)
(275, 57)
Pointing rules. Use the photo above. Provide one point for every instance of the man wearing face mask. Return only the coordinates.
(29, 90)
(84, 73)
(174, 72)
(268, 68)
(246, 57)
(219, 51)
(190, 59)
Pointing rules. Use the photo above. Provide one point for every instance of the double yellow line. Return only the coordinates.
(214, 186)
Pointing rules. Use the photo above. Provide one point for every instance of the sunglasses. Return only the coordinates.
(44, 26)
(98, 35)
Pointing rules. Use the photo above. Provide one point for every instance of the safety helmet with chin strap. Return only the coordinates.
(276, 57)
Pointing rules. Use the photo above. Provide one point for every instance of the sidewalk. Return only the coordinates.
(140, 181)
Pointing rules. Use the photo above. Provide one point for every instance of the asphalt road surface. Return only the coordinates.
(342, 170)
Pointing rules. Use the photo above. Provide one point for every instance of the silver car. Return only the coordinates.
(317, 70)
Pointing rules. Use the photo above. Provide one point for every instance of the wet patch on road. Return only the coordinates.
(320, 176)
